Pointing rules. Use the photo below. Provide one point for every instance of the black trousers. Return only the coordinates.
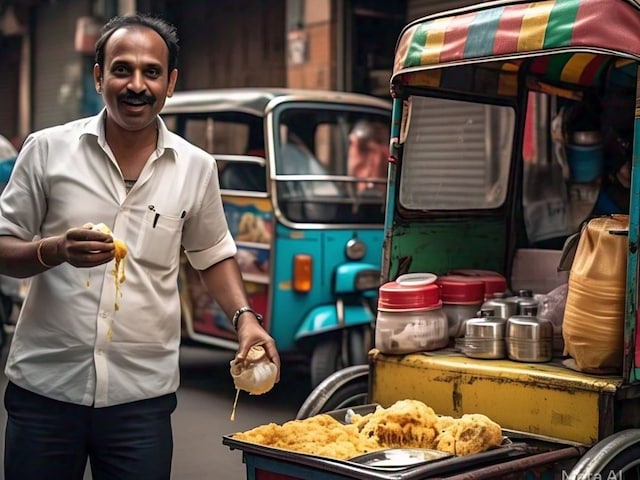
(48, 439)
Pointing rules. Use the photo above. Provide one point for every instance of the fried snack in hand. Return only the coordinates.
(120, 252)
(256, 374)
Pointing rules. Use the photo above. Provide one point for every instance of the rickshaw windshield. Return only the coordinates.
(331, 164)
(461, 164)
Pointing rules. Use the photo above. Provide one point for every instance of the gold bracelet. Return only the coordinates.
(39, 254)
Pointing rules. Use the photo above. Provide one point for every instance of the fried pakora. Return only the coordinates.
(405, 424)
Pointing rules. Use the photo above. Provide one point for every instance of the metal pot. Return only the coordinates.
(529, 339)
(502, 307)
(492, 328)
(484, 338)
(485, 348)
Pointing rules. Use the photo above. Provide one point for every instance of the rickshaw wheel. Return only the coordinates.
(615, 457)
(327, 356)
(345, 388)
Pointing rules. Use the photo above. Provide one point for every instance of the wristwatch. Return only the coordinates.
(240, 311)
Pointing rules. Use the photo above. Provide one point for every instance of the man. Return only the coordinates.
(93, 372)
(368, 153)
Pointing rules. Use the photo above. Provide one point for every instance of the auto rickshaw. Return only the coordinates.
(488, 103)
(302, 176)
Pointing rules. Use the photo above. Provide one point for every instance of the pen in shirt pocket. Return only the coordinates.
(156, 216)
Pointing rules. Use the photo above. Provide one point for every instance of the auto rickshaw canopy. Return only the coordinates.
(591, 41)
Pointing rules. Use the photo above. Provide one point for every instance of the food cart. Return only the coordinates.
(490, 104)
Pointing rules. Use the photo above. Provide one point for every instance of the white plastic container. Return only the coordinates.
(410, 319)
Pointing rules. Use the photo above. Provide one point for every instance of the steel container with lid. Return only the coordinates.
(503, 307)
(484, 338)
(410, 318)
(529, 338)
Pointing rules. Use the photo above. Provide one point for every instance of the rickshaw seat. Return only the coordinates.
(304, 195)
(244, 176)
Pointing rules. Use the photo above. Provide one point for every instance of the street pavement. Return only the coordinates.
(202, 418)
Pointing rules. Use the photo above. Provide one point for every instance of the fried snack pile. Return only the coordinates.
(405, 424)
(318, 435)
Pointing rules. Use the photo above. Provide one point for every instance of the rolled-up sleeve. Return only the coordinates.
(203, 259)
(23, 201)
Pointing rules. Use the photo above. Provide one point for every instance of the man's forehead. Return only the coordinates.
(134, 36)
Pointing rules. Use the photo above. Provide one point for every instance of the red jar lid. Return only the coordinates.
(460, 289)
(394, 296)
(493, 281)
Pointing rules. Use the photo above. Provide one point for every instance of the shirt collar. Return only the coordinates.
(95, 127)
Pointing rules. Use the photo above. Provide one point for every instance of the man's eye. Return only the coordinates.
(153, 72)
(120, 70)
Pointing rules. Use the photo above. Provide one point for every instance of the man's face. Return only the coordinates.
(135, 80)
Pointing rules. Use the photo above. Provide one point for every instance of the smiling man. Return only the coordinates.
(90, 378)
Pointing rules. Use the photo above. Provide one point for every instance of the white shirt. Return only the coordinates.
(75, 341)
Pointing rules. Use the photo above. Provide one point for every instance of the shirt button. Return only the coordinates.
(99, 351)
(104, 314)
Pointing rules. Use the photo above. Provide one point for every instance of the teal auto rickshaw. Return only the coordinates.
(303, 179)
(515, 126)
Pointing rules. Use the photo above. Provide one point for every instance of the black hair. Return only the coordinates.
(167, 31)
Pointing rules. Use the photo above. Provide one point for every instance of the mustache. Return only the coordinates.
(137, 97)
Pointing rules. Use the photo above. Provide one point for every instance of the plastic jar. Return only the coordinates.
(494, 283)
(410, 319)
(461, 298)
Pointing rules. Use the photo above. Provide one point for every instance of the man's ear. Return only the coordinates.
(97, 77)
(173, 78)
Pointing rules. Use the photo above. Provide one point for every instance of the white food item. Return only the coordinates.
(101, 227)
(256, 374)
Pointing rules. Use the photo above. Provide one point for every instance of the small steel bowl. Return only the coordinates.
(485, 327)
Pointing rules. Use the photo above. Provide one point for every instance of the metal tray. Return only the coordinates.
(398, 458)
(357, 469)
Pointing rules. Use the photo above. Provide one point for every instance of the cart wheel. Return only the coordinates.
(345, 388)
(616, 456)
(327, 356)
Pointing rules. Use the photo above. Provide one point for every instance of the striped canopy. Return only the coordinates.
(587, 35)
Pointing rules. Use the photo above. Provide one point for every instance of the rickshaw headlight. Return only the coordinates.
(367, 280)
(355, 249)
(302, 273)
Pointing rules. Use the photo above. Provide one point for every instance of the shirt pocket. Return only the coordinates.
(159, 240)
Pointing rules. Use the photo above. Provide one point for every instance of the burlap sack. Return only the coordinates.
(593, 324)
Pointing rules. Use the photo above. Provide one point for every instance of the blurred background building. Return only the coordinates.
(46, 48)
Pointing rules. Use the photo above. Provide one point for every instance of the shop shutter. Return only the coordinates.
(57, 67)
(242, 48)
(9, 85)
(420, 8)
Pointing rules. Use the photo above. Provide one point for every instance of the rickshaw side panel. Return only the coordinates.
(543, 399)
(305, 311)
(444, 245)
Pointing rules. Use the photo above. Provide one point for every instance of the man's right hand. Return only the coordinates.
(81, 247)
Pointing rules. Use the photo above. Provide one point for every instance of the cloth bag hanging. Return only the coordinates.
(593, 324)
